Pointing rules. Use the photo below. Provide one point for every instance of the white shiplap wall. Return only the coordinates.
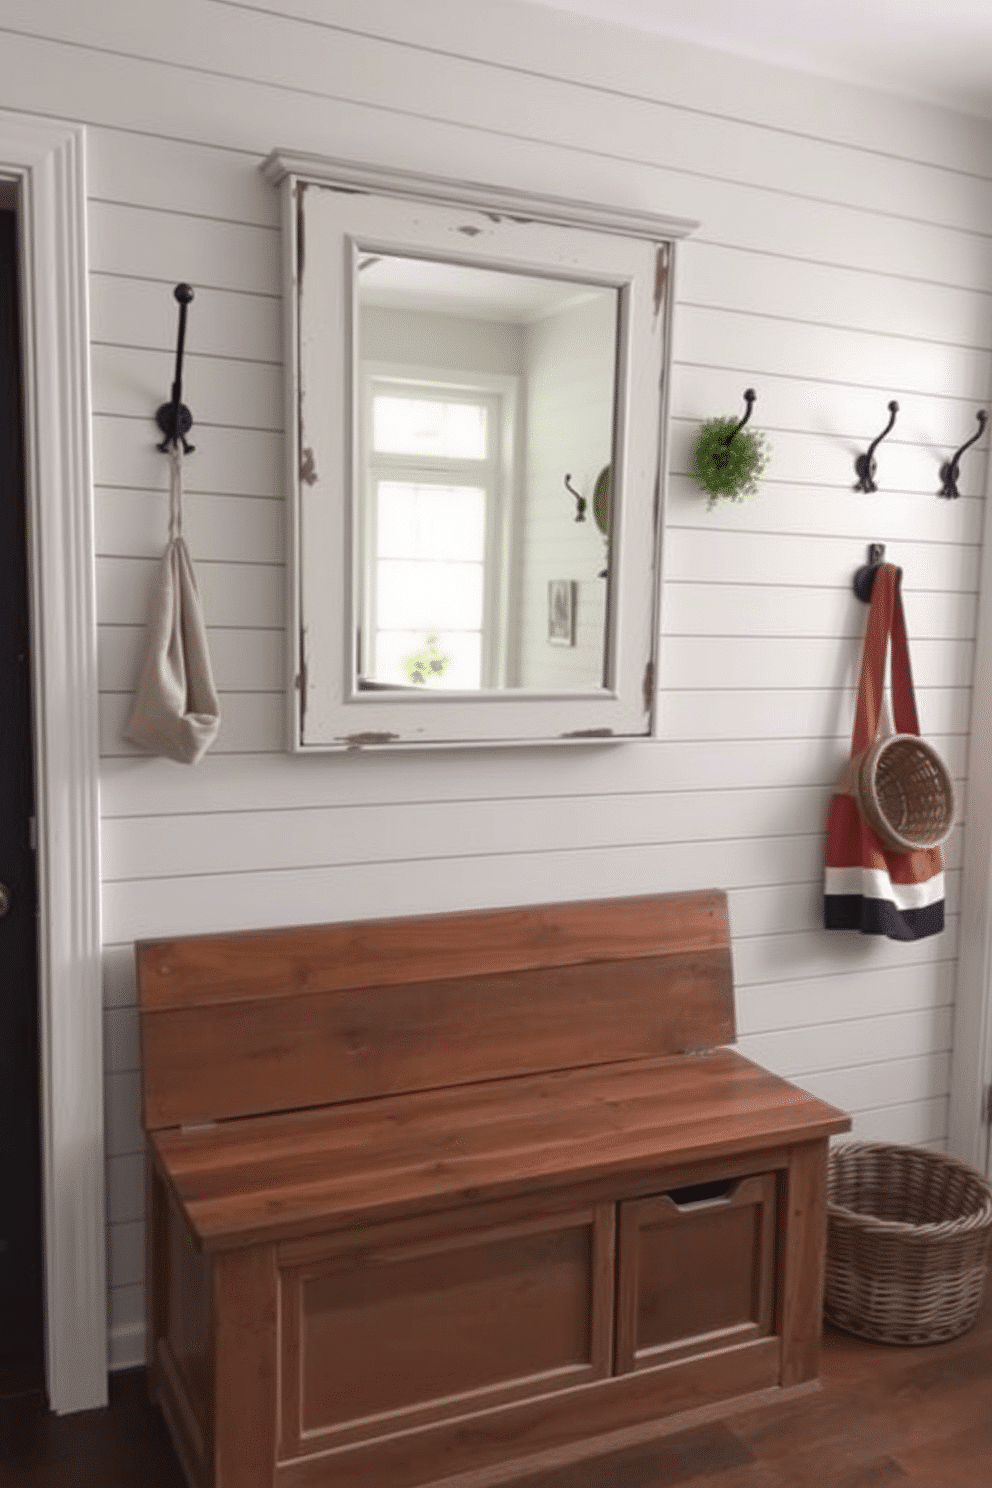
(843, 259)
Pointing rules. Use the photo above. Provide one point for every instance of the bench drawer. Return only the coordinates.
(696, 1271)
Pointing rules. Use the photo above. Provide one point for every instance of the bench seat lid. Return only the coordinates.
(293, 1174)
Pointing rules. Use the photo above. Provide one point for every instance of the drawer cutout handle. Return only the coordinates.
(694, 1195)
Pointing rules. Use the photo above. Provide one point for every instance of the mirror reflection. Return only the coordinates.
(478, 392)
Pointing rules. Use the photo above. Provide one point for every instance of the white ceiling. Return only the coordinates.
(940, 50)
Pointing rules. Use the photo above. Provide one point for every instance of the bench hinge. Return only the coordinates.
(198, 1126)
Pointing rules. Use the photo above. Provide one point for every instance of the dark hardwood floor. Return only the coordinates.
(884, 1416)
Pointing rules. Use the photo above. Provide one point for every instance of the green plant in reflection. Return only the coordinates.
(429, 664)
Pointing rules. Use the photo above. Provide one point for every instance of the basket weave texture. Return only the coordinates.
(907, 1235)
(906, 793)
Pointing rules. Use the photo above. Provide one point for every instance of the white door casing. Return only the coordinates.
(47, 160)
(971, 1064)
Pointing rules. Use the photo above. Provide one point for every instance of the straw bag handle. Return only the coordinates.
(885, 618)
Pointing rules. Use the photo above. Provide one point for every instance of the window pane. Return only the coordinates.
(417, 521)
(428, 426)
(437, 596)
(445, 659)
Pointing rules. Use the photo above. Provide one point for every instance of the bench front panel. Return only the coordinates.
(395, 1333)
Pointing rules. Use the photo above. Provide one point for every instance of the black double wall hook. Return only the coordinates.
(174, 418)
(864, 465)
(949, 472)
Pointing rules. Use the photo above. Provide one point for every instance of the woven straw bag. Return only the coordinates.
(908, 1232)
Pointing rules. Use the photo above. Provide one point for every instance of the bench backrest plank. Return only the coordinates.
(274, 1020)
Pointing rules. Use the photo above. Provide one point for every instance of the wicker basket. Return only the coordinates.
(906, 793)
(908, 1231)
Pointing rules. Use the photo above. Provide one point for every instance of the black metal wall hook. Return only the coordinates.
(174, 418)
(865, 577)
(580, 500)
(750, 397)
(864, 465)
(949, 472)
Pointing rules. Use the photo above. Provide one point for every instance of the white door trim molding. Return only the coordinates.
(47, 158)
(971, 1064)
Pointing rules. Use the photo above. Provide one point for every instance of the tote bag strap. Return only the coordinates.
(885, 618)
(175, 492)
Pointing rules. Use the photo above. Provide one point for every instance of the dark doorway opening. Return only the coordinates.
(21, 1241)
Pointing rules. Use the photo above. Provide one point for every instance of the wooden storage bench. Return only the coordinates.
(469, 1194)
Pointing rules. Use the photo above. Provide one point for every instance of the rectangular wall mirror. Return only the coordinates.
(476, 417)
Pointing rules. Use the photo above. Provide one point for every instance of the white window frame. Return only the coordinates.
(334, 211)
(495, 474)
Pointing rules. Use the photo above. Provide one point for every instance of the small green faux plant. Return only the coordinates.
(728, 471)
(429, 664)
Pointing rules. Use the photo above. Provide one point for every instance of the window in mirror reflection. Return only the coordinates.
(433, 537)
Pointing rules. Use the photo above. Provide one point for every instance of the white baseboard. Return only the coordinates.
(127, 1346)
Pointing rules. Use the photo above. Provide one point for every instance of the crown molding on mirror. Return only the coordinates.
(565, 211)
(458, 355)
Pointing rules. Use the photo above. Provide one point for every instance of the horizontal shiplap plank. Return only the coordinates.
(165, 847)
(178, 176)
(235, 529)
(239, 462)
(142, 312)
(793, 713)
(772, 610)
(890, 1083)
(233, 594)
(729, 279)
(714, 555)
(199, 904)
(902, 367)
(918, 1123)
(883, 990)
(288, 782)
(799, 1052)
(208, 254)
(130, 383)
(791, 661)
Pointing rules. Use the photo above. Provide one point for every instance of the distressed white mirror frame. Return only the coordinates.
(329, 208)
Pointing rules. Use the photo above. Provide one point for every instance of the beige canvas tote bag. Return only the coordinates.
(175, 713)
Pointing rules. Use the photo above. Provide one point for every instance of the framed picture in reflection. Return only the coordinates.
(561, 612)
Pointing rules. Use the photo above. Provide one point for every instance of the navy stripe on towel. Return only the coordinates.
(880, 917)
